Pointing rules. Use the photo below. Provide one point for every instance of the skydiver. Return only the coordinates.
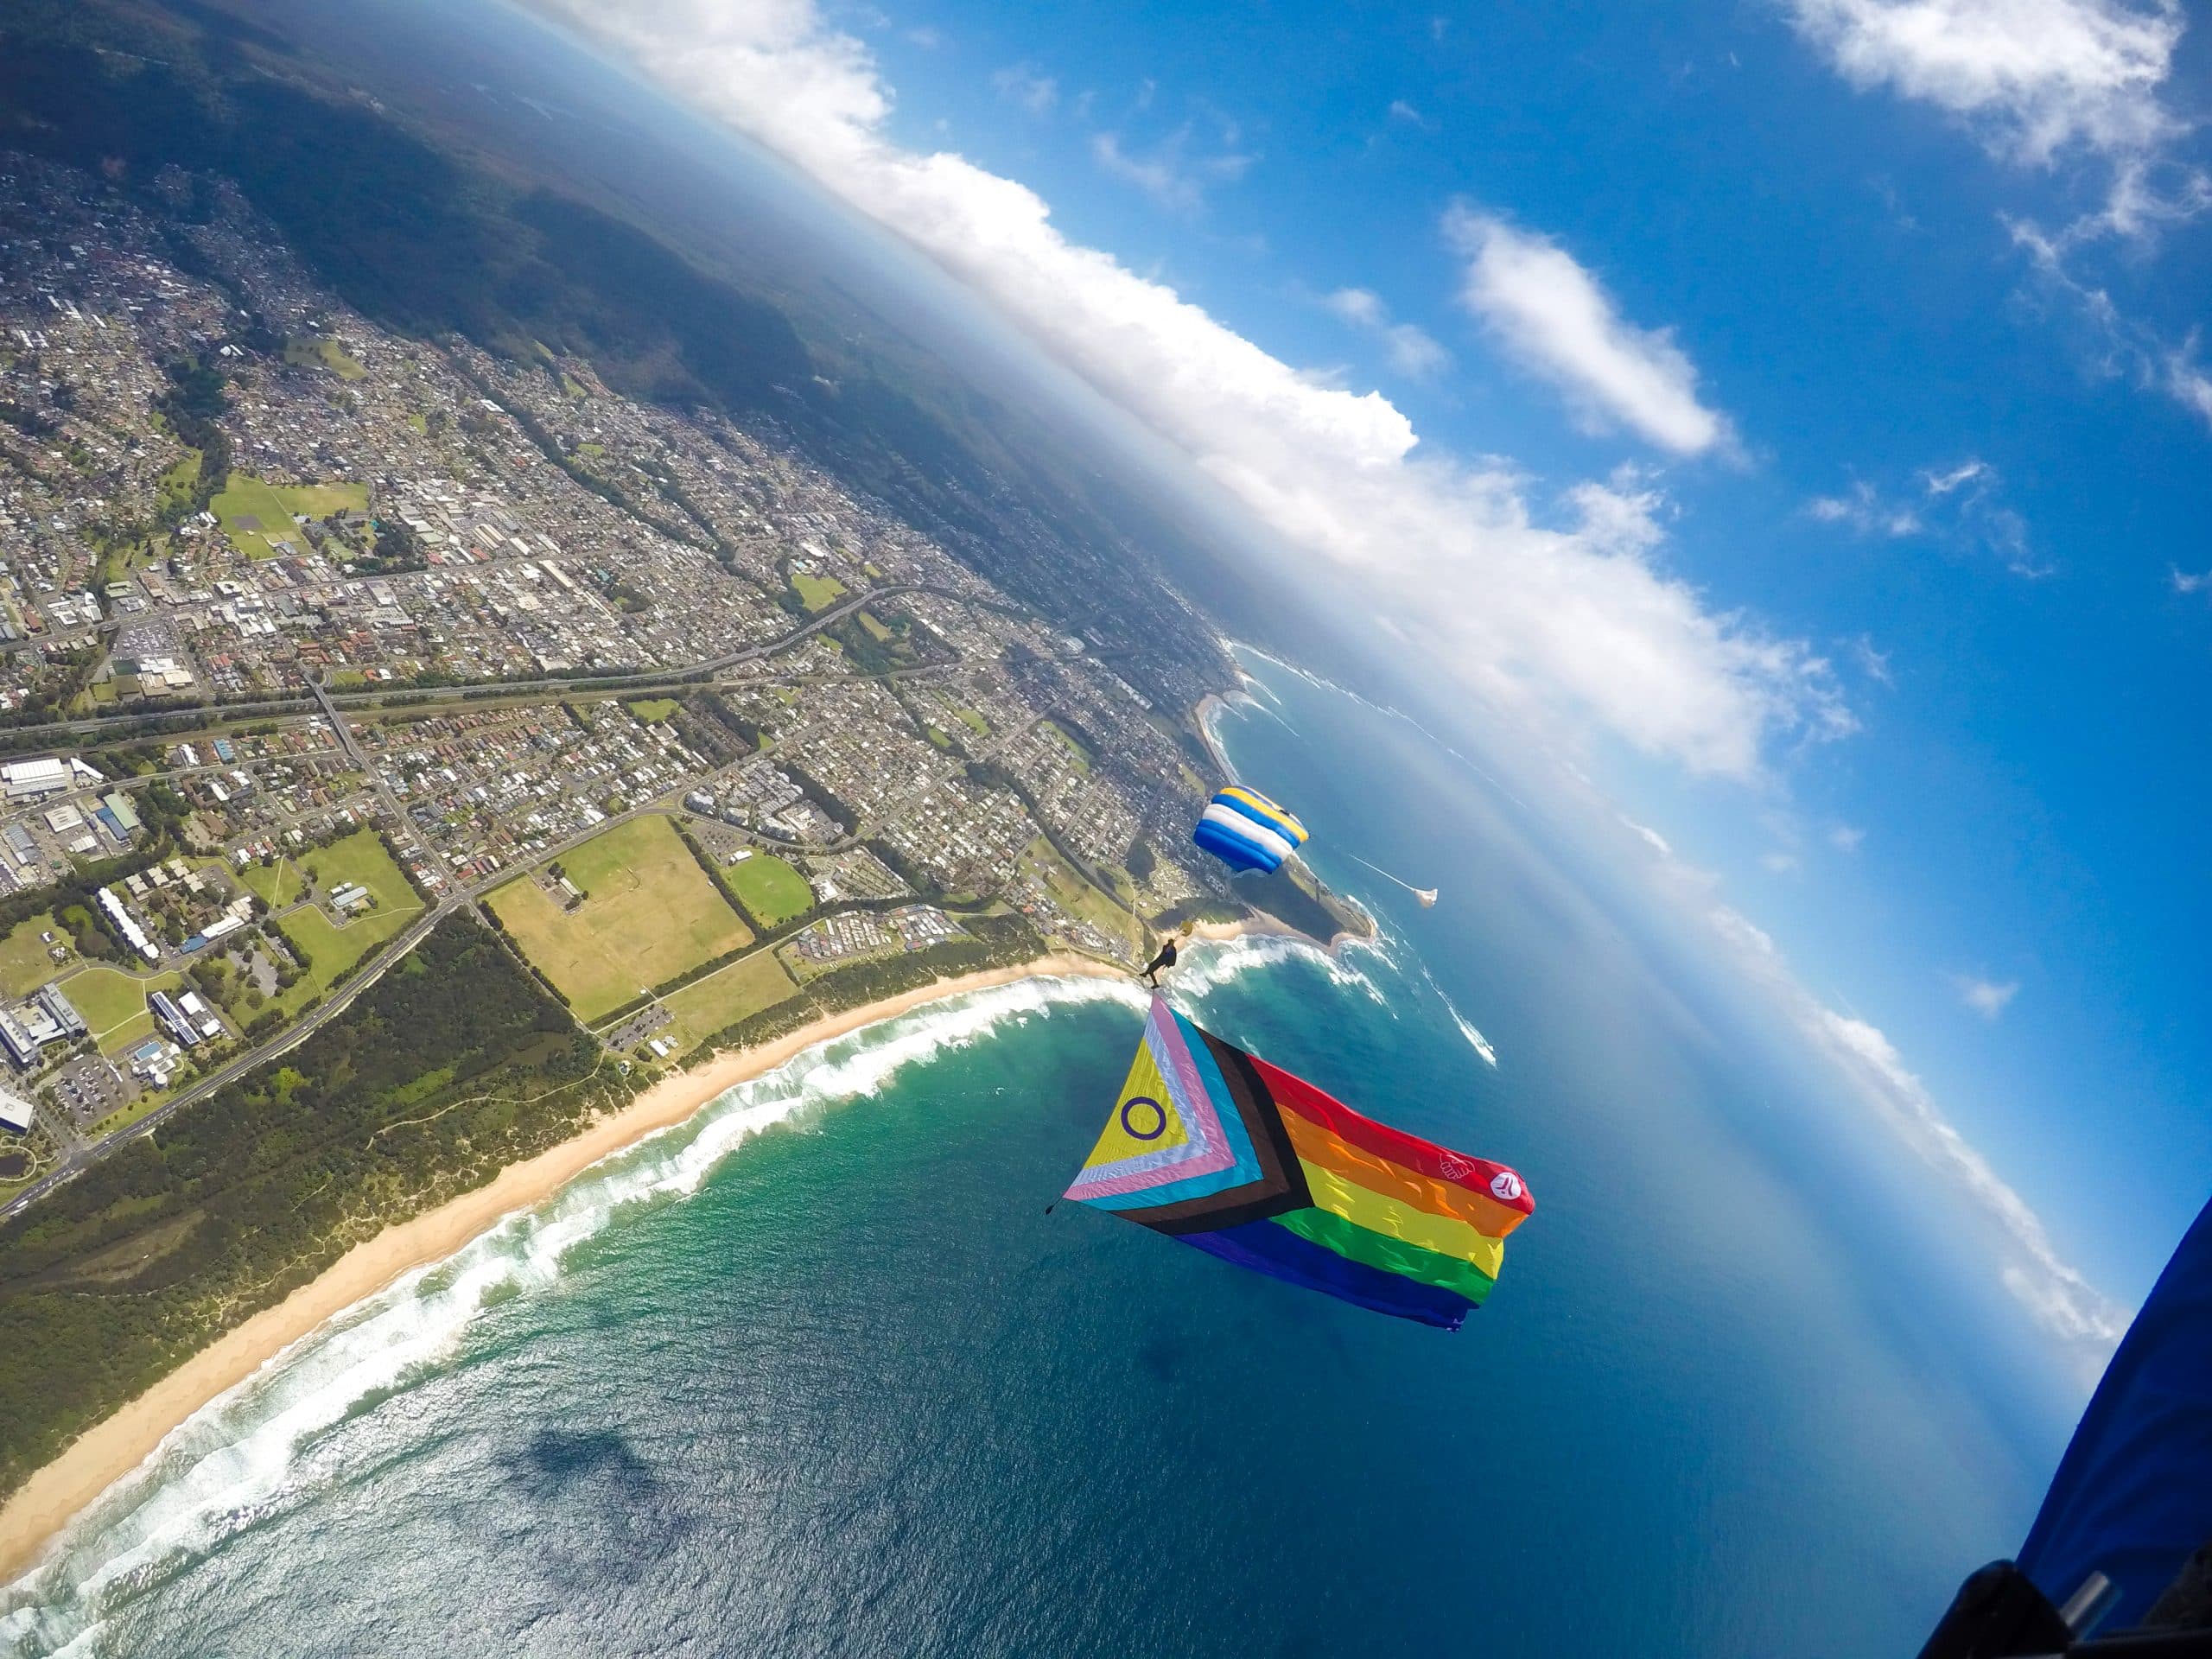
(1165, 959)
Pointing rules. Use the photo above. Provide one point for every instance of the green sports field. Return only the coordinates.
(651, 916)
(256, 515)
(771, 891)
(816, 593)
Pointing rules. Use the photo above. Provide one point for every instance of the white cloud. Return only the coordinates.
(1960, 506)
(1562, 621)
(2188, 385)
(1650, 837)
(1987, 998)
(2192, 582)
(2067, 1304)
(1168, 172)
(1845, 838)
(1553, 315)
(2031, 77)
(1020, 83)
(1780, 863)
(1965, 473)
(2123, 345)
(2054, 1292)
(1413, 351)
(1875, 665)
(1865, 511)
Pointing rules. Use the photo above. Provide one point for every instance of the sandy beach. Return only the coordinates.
(113, 1447)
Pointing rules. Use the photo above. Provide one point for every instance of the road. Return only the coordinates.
(635, 680)
(87, 1153)
(332, 705)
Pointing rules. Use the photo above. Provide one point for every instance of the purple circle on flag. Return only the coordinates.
(1160, 1118)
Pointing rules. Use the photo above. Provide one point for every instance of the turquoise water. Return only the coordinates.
(819, 1374)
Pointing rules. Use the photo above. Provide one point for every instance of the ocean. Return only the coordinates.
(817, 1373)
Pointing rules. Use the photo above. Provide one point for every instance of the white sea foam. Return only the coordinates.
(1474, 1039)
(256, 1449)
(1467, 1030)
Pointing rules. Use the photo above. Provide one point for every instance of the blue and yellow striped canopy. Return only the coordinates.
(1246, 832)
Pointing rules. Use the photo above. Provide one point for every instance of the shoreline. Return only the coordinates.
(61, 1490)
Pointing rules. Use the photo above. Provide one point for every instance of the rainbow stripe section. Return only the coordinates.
(1241, 1159)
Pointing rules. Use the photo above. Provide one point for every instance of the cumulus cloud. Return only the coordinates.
(1413, 351)
(2191, 581)
(1989, 998)
(1558, 616)
(2033, 76)
(1553, 316)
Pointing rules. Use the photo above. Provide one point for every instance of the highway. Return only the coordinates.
(643, 679)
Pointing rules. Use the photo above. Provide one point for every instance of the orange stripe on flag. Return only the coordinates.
(1315, 1145)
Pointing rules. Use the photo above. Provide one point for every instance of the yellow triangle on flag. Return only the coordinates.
(1145, 1118)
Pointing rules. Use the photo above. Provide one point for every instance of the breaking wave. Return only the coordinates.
(259, 1448)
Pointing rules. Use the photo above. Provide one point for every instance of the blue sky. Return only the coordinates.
(1791, 414)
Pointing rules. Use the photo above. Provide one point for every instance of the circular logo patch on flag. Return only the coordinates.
(1506, 1186)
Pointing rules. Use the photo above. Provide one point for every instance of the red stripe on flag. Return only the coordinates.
(1502, 1186)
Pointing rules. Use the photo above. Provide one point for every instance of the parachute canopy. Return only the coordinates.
(1246, 832)
(2132, 1497)
(1237, 1158)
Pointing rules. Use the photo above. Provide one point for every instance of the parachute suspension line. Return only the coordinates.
(1426, 895)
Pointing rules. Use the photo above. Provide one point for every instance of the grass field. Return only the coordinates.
(1076, 752)
(771, 891)
(332, 947)
(271, 507)
(724, 997)
(307, 351)
(24, 965)
(247, 497)
(816, 593)
(972, 719)
(653, 710)
(321, 500)
(650, 915)
(114, 1004)
(1071, 893)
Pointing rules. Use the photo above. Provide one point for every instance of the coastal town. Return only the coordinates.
(312, 634)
